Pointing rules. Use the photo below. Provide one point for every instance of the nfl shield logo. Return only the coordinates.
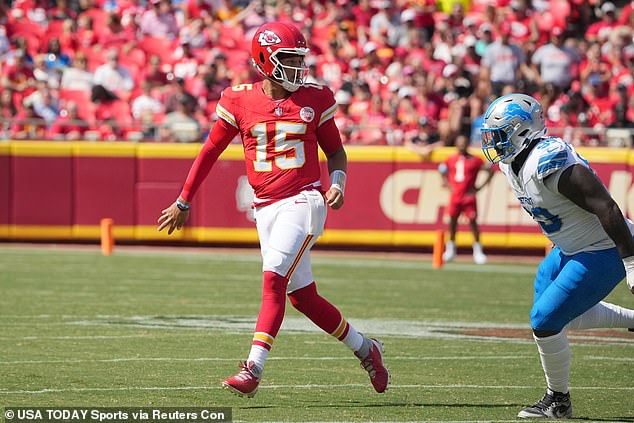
(278, 111)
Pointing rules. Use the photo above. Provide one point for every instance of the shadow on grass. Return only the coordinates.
(359, 404)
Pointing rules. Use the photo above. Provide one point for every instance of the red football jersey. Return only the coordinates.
(462, 173)
(280, 137)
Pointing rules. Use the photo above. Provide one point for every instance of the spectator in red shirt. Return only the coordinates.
(155, 75)
(68, 37)
(19, 77)
(342, 117)
(601, 105)
(86, 36)
(70, 126)
(8, 111)
(360, 103)
(186, 64)
(27, 125)
(593, 65)
(113, 34)
(194, 9)
(363, 16)
(600, 30)
(521, 22)
(7, 105)
(372, 125)
(61, 11)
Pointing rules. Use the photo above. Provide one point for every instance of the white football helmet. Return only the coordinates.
(510, 123)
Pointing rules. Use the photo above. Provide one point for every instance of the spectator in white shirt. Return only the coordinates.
(76, 77)
(503, 61)
(145, 103)
(554, 61)
(112, 81)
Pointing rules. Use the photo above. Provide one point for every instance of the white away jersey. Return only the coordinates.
(567, 225)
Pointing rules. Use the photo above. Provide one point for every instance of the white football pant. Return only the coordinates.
(287, 230)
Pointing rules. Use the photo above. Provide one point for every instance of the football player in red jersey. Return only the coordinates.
(460, 172)
(282, 124)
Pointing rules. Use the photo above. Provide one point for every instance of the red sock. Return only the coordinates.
(320, 311)
(271, 310)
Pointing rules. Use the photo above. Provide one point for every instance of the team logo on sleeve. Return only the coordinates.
(307, 114)
(268, 38)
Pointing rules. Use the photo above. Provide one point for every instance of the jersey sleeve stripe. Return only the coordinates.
(328, 114)
(551, 162)
(225, 115)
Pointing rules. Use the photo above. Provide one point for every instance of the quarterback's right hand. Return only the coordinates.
(172, 218)
(334, 198)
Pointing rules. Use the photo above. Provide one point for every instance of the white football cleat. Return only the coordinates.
(450, 252)
(478, 256)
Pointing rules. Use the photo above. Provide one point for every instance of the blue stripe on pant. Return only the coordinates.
(568, 286)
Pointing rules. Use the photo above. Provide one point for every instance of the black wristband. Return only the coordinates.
(182, 206)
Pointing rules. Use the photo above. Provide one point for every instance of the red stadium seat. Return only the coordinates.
(117, 110)
(560, 10)
(24, 26)
(96, 57)
(157, 46)
(135, 57)
(55, 27)
(85, 106)
(99, 20)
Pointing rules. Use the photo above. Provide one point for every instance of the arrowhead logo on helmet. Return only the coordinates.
(268, 38)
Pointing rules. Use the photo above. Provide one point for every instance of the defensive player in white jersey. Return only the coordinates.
(593, 246)
(283, 124)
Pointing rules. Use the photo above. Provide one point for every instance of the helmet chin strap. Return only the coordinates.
(290, 87)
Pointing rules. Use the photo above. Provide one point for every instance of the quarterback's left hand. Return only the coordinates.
(628, 262)
(334, 198)
(172, 218)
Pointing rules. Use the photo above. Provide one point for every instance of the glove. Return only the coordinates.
(628, 262)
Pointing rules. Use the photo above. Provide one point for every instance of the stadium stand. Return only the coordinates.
(403, 71)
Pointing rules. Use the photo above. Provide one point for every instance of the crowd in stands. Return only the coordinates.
(402, 71)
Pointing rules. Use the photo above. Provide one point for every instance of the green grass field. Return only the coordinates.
(165, 327)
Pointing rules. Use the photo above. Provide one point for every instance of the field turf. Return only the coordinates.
(165, 327)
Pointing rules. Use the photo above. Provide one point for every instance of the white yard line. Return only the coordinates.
(75, 337)
(592, 357)
(198, 359)
(300, 386)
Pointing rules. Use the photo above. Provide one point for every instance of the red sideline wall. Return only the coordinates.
(61, 191)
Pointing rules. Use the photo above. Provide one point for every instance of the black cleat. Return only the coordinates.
(554, 405)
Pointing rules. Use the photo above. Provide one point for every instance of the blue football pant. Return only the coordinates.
(568, 286)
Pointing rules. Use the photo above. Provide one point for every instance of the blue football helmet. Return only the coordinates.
(510, 123)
